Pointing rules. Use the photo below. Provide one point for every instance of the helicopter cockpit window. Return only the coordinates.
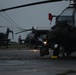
(75, 18)
(43, 36)
(30, 35)
(66, 16)
(68, 19)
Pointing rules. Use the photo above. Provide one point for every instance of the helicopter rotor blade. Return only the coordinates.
(24, 31)
(30, 4)
(2, 26)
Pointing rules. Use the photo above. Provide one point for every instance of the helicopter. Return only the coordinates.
(62, 35)
(36, 37)
(4, 41)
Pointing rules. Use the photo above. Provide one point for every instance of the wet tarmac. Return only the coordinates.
(29, 62)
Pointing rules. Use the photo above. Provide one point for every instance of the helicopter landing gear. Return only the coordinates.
(64, 52)
(56, 50)
(67, 52)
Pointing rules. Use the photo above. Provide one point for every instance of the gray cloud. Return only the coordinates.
(30, 16)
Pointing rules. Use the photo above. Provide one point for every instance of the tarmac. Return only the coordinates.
(29, 62)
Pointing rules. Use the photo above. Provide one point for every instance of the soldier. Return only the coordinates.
(19, 40)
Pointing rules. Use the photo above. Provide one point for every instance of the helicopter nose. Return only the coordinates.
(51, 35)
(61, 31)
(58, 32)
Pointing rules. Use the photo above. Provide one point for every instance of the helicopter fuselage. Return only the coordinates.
(63, 32)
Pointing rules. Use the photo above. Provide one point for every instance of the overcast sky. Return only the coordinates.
(27, 17)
